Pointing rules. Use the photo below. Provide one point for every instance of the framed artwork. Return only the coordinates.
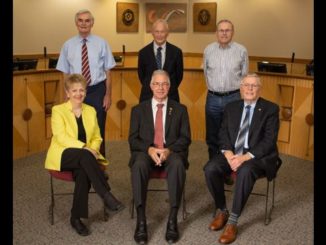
(204, 17)
(174, 13)
(127, 17)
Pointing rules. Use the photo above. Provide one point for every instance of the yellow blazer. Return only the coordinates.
(65, 133)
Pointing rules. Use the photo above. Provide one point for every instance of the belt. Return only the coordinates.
(97, 83)
(224, 93)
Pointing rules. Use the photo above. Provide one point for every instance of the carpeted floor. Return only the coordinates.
(292, 218)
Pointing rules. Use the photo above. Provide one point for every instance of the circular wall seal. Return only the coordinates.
(128, 17)
(204, 17)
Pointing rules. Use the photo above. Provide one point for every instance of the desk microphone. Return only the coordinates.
(44, 52)
(123, 49)
(292, 59)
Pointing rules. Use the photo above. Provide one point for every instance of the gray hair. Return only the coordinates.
(83, 11)
(164, 22)
(160, 72)
(252, 75)
(224, 21)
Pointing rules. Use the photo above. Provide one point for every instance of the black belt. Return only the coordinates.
(224, 93)
(97, 83)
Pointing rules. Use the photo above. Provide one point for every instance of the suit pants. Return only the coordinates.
(86, 171)
(94, 97)
(176, 176)
(247, 174)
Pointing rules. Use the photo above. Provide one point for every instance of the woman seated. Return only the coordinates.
(75, 147)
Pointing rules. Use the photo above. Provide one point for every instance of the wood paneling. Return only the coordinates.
(31, 125)
(296, 136)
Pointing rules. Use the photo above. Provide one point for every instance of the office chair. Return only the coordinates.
(68, 177)
(268, 211)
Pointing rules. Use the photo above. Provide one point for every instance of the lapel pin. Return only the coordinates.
(170, 111)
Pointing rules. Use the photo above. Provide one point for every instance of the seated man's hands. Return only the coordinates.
(158, 155)
(237, 160)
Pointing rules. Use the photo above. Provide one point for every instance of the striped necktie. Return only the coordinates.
(85, 64)
(159, 58)
(243, 132)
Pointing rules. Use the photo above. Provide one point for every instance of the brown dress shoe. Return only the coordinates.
(219, 221)
(229, 234)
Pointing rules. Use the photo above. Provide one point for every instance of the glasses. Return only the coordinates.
(225, 31)
(164, 84)
(247, 85)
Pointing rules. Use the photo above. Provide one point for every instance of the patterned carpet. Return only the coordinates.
(292, 218)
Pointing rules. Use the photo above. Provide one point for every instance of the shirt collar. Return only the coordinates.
(155, 102)
(227, 46)
(253, 104)
(162, 46)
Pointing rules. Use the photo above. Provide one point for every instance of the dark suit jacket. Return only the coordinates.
(177, 129)
(263, 132)
(147, 64)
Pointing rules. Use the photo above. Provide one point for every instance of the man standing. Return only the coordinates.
(225, 62)
(91, 56)
(247, 143)
(157, 55)
(154, 146)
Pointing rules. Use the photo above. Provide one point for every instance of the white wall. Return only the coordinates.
(273, 28)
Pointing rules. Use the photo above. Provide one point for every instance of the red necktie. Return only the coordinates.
(85, 65)
(158, 136)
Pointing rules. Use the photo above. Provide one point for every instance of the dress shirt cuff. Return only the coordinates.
(252, 156)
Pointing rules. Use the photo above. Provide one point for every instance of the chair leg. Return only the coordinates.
(105, 213)
(132, 208)
(51, 207)
(268, 212)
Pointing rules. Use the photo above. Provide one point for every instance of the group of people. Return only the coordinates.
(241, 127)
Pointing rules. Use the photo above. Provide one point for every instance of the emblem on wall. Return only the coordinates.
(204, 17)
(127, 17)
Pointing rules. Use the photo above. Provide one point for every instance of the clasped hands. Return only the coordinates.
(158, 155)
(235, 161)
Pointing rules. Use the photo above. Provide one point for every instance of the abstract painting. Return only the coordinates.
(174, 13)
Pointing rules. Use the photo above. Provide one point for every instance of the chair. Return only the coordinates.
(161, 174)
(65, 176)
(268, 211)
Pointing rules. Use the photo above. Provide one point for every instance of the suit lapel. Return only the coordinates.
(167, 55)
(153, 55)
(237, 120)
(168, 118)
(255, 118)
(148, 114)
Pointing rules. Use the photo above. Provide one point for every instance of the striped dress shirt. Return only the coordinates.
(224, 67)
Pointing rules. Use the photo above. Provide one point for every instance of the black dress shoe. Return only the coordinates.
(112, 203)
(80, 228)
(140, 235)
(172, 233)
